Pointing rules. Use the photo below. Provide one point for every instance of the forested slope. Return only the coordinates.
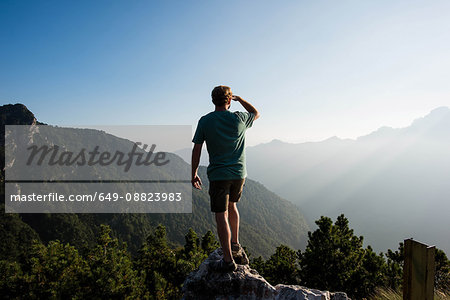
(266, 219)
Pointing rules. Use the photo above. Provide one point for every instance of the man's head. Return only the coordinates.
(221, 95)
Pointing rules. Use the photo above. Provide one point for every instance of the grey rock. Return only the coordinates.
(300, 292)
(339, 296)
(244, 283)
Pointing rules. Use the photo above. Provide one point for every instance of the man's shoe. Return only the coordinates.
(222, 266)
(239, 254)
(235, 247)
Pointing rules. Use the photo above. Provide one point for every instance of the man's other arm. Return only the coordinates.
(248, 107)
(196, 152)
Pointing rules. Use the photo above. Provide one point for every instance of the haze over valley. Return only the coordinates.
(391, 184)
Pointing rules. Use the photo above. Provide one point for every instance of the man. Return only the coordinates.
(224, 133)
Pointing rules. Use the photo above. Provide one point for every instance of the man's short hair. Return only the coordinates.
(220, 95)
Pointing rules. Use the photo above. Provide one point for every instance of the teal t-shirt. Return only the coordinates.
(224, 133)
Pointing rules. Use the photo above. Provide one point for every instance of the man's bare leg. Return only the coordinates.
(223, 230)
(233, 217)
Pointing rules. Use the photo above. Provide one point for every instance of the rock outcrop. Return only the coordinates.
(16, 114)
(244, 283)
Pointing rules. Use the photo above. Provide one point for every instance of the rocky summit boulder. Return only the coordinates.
(244, 283)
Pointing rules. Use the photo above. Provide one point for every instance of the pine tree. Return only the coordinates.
(209, 243)
(335, 260)
(282, 266)
(394, 270)
(112, 273)
(157, 266)
(442, 274)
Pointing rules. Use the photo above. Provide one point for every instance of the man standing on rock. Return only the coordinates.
(224, 133)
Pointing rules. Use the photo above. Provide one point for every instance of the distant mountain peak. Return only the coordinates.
(277, 141)
(435, 116)
(16, 114)
(440, 112)
(441, 109)
(431, 119)
(332, 139)
(382, 132)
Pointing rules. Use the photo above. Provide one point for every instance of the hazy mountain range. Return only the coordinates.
(392, 184)
(267, 220)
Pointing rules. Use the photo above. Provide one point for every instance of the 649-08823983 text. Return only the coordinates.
(103, 197)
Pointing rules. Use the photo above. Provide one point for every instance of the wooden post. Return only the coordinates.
(418, 271)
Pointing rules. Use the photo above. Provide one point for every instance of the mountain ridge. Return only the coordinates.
(373, 180)
(267, 220)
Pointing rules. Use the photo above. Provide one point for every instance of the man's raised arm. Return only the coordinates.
(248, 107)
(196, 152)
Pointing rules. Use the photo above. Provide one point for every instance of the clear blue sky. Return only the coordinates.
(314, 69)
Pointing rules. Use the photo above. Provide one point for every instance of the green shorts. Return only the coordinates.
(224, 191)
